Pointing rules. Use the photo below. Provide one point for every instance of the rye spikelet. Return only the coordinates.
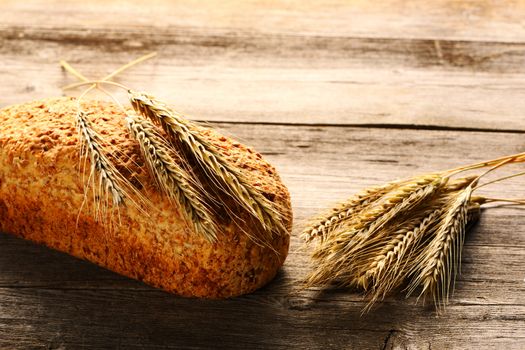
(439, 263)
(172, 179)
(185, 135)
(106, 182)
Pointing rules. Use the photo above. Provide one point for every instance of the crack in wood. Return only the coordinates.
(399, 126)
(387, 339)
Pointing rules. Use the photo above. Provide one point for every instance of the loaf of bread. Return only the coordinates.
(42, 199)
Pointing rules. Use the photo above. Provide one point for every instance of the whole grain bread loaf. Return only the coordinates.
(42, 198)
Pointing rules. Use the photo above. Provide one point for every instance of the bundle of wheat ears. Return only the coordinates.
(406, 234)
(175, 153)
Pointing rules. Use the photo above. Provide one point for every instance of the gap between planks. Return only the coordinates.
(428, 127)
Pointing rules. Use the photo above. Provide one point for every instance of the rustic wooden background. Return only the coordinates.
(338, 95)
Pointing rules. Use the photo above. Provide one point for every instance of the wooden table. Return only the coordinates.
(338, 95)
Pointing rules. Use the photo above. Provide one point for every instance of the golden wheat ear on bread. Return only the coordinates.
(43, 199)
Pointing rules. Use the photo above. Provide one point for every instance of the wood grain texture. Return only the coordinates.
(338, 95)
(62, 302)
(447, 64)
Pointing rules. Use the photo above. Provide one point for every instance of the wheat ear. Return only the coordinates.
(361, 266)
(391, 266)
(109, 183)
(440, 261)
(335, 254)
(399, 199)
(325, 223)
(379, 215)
(171, 178)
(397, 202)
(461, 183)
(219, 170)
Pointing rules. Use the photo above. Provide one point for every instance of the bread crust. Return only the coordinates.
(42, 193)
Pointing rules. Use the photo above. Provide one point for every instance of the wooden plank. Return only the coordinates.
(281, 64)
(450, 19)
(48, 299)
(447, 64)
(306, 85)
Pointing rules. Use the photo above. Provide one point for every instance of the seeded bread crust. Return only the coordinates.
(42, 193)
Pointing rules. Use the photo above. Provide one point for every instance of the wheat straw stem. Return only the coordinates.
(460, 184)
(94, 82)
(82, 77)
(508, 200)
(72, 70)
(130, 64)
(514, 158)
(499, 179)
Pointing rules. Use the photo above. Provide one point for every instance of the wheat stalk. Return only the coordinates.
(400, 200)
(400, 242)
(389, 232)
(172, 179)
(398, 259)
(455, 185)
(334, 253)
(396, 241)
(355, 267)
(325, 223)
(439, 263)
(110, 183)
(391, 266)
(222, 175)
(352, 213)
(220, 172)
